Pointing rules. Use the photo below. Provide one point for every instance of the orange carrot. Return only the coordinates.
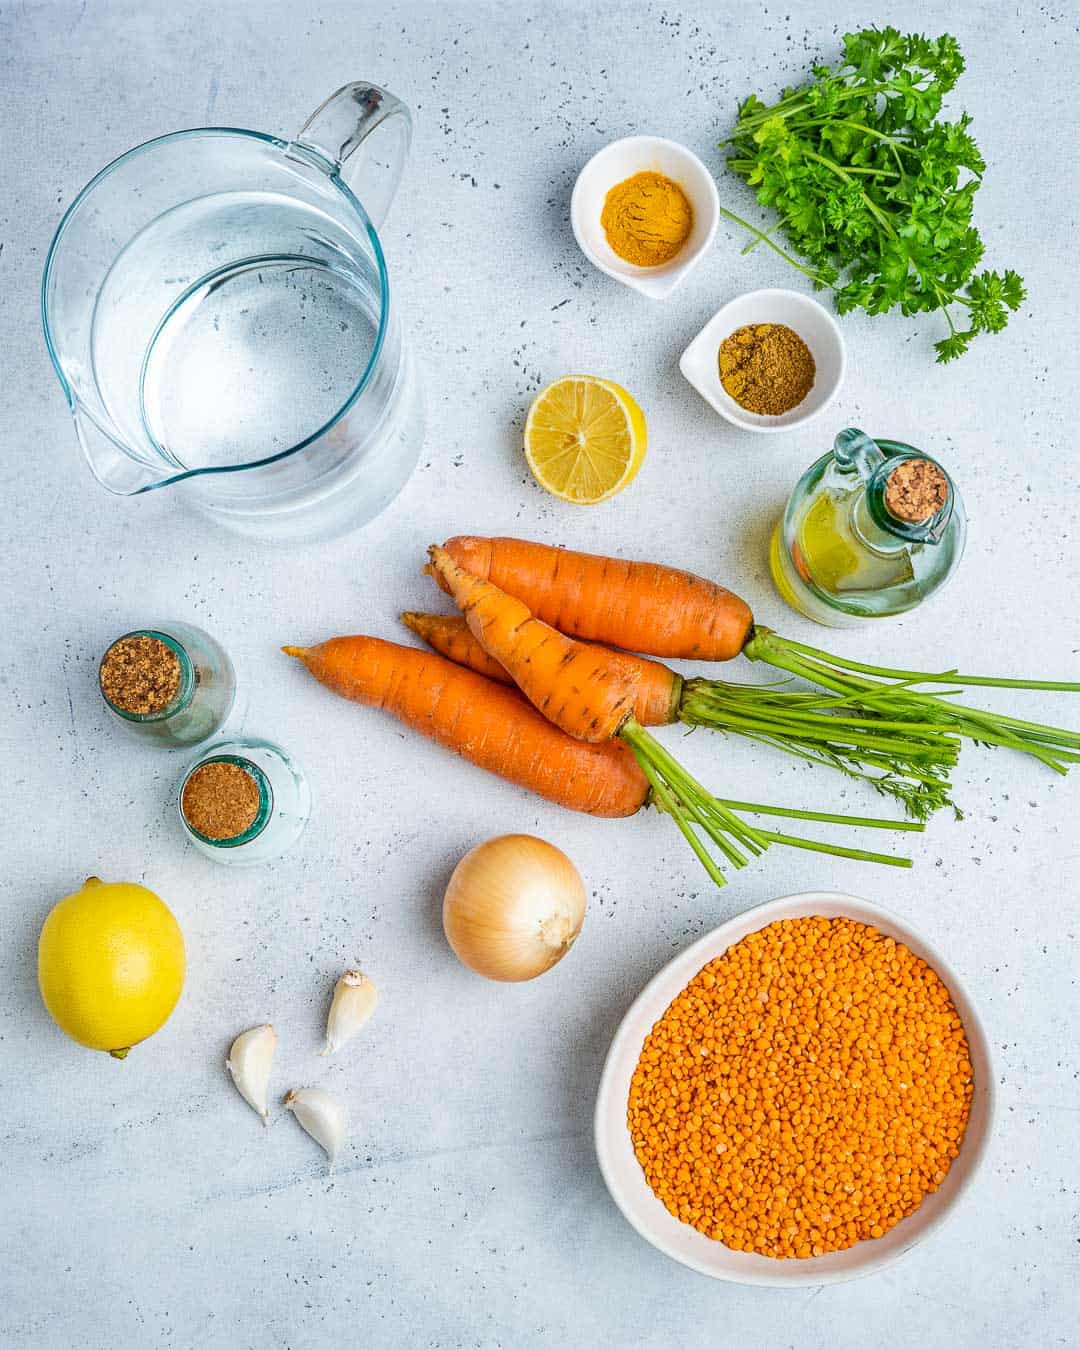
(486, 723)
(449, 635)
(659, 689)
(574, 685)
(638, 606)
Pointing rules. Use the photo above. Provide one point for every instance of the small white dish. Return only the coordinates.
(700, 363)
(621, 160)
(626, 1181)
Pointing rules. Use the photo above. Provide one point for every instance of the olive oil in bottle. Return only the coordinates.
(872, 529)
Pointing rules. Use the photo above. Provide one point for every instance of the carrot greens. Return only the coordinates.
(908, 756)
(893, 694)
(874, 190)
(677, 793)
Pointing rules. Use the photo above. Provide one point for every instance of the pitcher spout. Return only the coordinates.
(110, 463)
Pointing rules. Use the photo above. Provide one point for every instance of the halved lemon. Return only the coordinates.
(585, 439)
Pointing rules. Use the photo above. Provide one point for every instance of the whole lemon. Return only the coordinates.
(110, 964)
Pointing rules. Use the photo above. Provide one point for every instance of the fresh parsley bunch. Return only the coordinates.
(873, 191)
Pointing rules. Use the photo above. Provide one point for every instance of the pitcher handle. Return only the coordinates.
(339, 132)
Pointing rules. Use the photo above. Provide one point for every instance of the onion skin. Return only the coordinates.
(513, 908)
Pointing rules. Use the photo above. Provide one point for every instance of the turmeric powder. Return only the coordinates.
(804, 1091)
(647, 219)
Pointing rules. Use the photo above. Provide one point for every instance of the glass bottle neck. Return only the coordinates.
(920, 483)
(875, 533)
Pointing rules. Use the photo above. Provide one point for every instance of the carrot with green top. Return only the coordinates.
(492, 726)
(906, 761)
(664, 611)
(592, 699)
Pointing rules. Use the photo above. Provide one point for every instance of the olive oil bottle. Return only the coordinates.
(872, 529)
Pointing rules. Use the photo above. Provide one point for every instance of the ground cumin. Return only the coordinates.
(916, 490)
(804, 1091)
(647, 219)
(766, 368)
(220, 800)
(140, 675)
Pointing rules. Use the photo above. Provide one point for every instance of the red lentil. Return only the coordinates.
(804, 1091)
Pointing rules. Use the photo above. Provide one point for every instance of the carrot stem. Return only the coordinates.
(816, 846)
(891, 693)
(921, 677)
(703, 802)
(677, 793)
(915, 754)
(865, 822)
(667, 804)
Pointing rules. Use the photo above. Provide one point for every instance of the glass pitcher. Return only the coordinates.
(872, 529)
(216, 305)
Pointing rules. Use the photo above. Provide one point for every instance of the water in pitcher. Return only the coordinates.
(232, 328)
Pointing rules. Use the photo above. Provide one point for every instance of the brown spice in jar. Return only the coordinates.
(220, 800)
(140, 675)
(766, 368)
(916, 490)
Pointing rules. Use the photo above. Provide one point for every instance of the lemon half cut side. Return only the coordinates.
(585, 439)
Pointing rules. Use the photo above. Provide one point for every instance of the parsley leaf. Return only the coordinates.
(873, 188)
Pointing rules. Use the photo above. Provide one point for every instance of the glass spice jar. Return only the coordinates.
(172, 684)
(244, 801)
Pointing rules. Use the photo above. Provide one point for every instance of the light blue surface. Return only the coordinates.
(144, 1205)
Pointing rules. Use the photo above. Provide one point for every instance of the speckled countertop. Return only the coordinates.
(143, 1204)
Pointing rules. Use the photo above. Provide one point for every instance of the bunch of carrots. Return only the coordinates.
(535, 680)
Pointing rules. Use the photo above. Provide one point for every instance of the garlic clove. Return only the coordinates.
(355, 999)
(321, 1115)
(249, 1063)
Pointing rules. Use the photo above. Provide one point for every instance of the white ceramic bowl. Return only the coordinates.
(626, 1181)
(813, 323)
(621, 160)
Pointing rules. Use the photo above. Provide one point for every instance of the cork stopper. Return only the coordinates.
(140, 675)
(221, 800)
(916, 490)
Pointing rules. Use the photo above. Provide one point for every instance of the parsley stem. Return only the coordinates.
(746, 124)
(894, 141)
(740, 164)
(763, 238)
(872, 206)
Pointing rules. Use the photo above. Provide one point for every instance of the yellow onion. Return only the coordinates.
(513, 907)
